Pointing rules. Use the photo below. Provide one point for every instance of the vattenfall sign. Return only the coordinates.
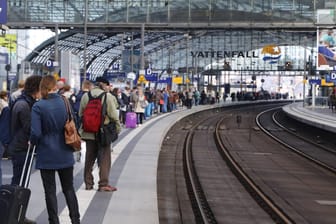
(224, 54)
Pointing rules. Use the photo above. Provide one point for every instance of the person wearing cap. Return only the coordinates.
(93, 149)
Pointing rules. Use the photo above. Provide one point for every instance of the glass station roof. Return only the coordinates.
(165, 50)
(99, 12)
(173, 28)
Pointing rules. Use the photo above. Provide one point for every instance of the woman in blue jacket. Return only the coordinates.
(52, 154)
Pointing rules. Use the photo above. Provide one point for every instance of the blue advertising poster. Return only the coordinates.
(3, 11)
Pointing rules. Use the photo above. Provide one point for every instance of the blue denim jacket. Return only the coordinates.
(47, 133)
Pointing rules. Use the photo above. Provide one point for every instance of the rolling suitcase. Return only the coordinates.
(131, 120)
(14, 199)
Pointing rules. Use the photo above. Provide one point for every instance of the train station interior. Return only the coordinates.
(205, 44)
(265, 159)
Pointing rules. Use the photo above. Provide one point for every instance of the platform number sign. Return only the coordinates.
(333, 76)
(49, 64)
(116, 66)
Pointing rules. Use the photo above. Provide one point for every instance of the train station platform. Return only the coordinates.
(134, 167)
(318, 116)
(134, 171)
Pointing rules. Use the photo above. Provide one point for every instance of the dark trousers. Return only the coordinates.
(189, 103)
(122, 116)
(140, 117)
(103, 156)
(49, 184)
(18, 160)
(2, 149)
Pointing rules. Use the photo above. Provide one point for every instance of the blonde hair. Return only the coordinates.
(86, 84)
(47, 84)
(67, 87)
(3, 94)
(21, 83)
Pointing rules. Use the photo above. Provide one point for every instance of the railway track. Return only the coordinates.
(228, 171)
(308, 147)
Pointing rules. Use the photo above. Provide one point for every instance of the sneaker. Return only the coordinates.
(107, 188)
(28, 221)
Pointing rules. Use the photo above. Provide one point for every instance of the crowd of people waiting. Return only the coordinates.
(35, 115)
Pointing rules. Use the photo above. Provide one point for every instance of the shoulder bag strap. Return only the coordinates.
(104, 110)
(67, 106)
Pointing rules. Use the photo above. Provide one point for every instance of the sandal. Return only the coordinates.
(107, 188)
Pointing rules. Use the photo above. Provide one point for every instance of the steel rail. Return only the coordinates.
(269, 206)
(310, 158)
(203, 212)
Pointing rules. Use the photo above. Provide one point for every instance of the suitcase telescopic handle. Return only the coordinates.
(27, 166)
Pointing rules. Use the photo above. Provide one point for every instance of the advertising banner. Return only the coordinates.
(326, 44)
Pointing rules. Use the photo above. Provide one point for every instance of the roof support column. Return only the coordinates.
(142, 65)
(57, 65)
(85, 38)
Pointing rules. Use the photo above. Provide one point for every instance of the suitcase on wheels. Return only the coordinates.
(131, 120)
(13, 204)
(14, 199)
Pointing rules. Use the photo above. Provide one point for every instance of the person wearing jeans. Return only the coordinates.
(49, 185)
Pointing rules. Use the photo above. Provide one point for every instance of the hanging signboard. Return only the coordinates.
(115, 75)
(167, 80)
(152, 76)
(3, 11)
(9, 41)
(178, 80)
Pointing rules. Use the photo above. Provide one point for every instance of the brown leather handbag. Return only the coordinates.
(71, 135)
